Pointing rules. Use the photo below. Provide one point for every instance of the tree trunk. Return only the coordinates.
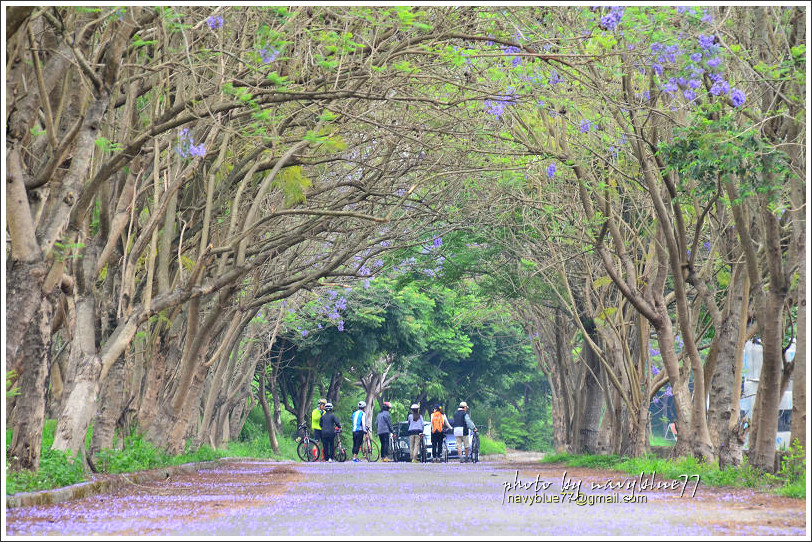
(593, 399)
(266, 411)
(723, 413)
(29, 411)
(114, 402)
(769, 384)
(80, 406)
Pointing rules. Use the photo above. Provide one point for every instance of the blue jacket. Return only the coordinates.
(359, 421)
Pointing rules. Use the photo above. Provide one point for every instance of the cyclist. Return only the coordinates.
(384, 426)
(439, 422)
(329, 422)
(463, 425)
(415, 420)
(315, 421)
(359, 429)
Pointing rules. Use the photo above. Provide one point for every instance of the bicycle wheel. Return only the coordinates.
(422, 453)
(309, 450)
(301, 450)
(341, 454)
(444, 456)
(475, 449)
(375, 451)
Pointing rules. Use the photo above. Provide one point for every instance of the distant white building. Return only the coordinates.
(753, 358)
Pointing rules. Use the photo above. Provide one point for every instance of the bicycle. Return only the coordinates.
(298, 434)
(475, 447)
(339, 451)
(369, 449)
(308, 449)
(392, 451)
(422, 453)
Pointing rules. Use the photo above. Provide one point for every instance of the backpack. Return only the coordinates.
(437, 422)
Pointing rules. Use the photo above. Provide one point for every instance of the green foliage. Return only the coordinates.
(293, 184)
(790, 482)
(488, 446)
(56, 469)
(11, 390)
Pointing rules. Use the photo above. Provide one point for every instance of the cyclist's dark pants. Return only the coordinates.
(437, 444)
(384, 444)
(357, 440)
(328, 444)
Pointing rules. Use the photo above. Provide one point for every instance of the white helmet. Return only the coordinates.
(362, 404)
(415, 406)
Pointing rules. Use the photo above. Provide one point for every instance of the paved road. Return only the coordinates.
(253, 498)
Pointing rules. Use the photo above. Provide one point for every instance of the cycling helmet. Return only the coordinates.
(463, 404)
(387, 405)
(328, 406)
(322, 401)
(436, 407)
(362, 404)
(415, 406)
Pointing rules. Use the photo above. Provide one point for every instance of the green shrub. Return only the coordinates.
(489, 446)
(790, 481)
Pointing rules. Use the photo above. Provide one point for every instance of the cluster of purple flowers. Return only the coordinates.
(612, 19)
(268, 54)
(551, 170)
(737, 97)
(586, 125)
(187, 147)
(512, 50)
(496, 107)
(554, 78)
(215, 22)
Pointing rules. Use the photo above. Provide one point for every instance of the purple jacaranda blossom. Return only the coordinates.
(689, 94)
(719, 88)
(707, 17)
(706, 42)
(197, 150)
(656, 47)
(268, 55)
(340, 325)
(694, 83)
(584, 126)
(658, 69)
(612, 19)
(714, 62)
(696, 57)
(654, 370)
(304, 333)
(669, 392)
(653, 352)
(707, 244)
(438, 242)
(670, 87)
(551, 170)
(737, 97)
(214, 22)
(554, 79)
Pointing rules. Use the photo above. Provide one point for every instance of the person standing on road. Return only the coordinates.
(439, 422)
(384, 427)
(329, 422)
(315, 421)
(359, 428)
(463, 426)
(415, 420)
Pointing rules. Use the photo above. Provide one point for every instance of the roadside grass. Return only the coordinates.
(488, 446)
(59, 469)
(789, 481)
